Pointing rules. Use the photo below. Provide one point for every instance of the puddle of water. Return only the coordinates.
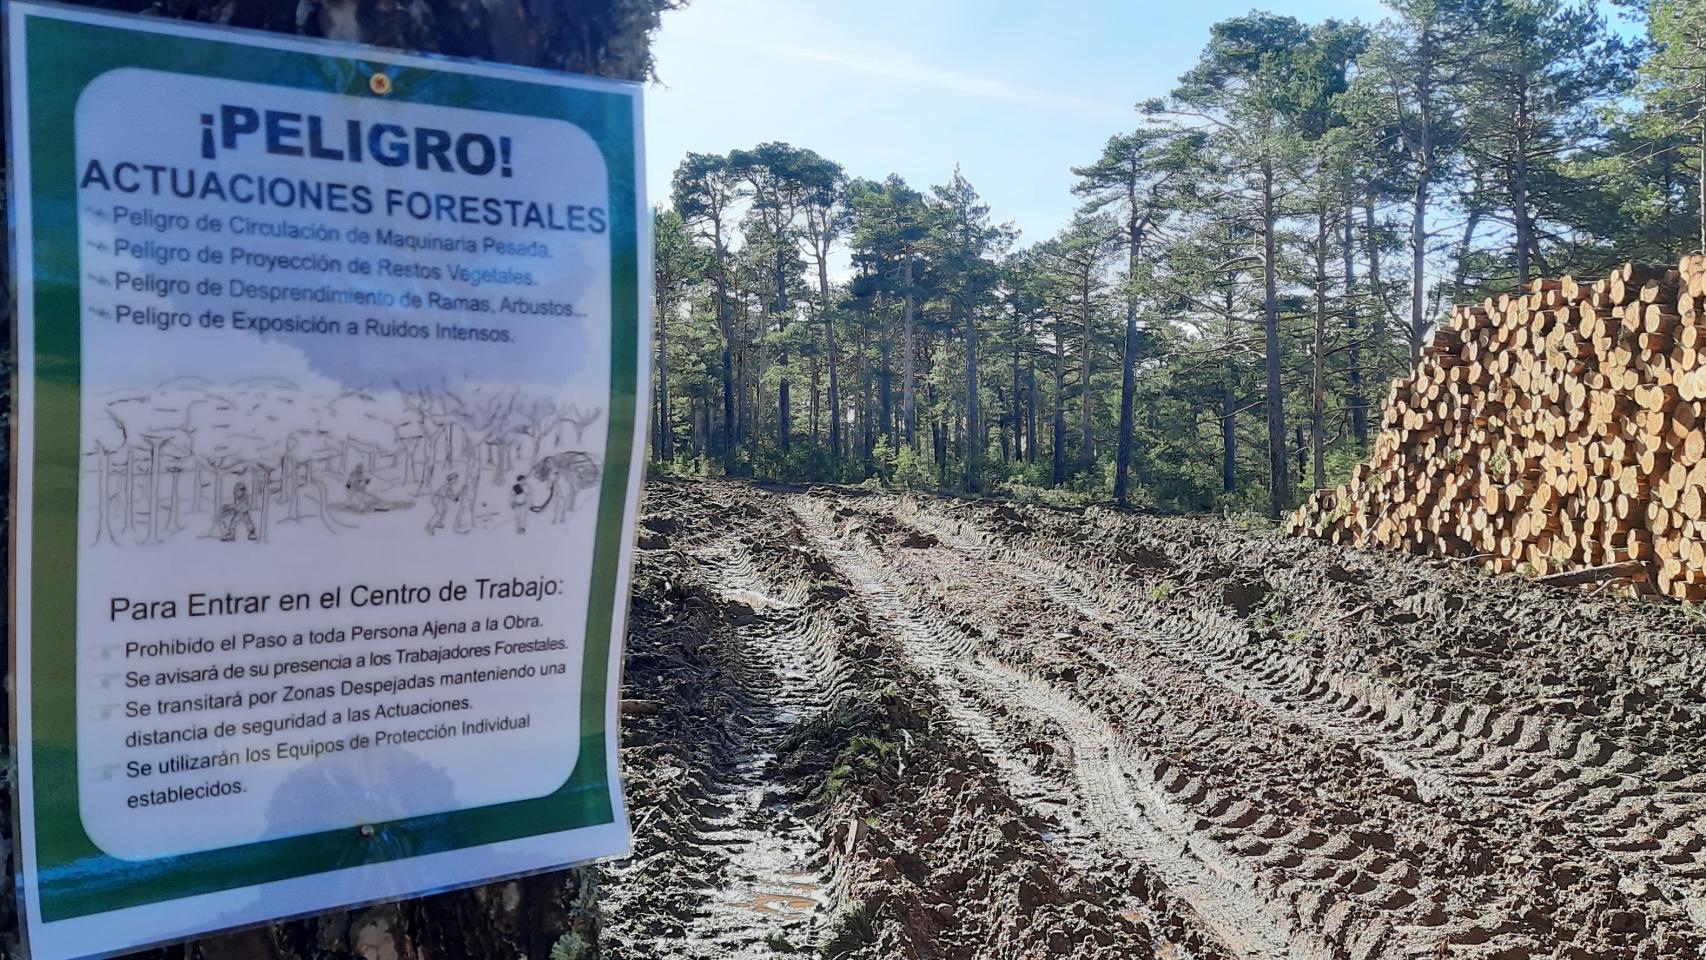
(777, 903)
(752, 598)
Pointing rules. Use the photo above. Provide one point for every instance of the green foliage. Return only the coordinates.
(912, 470)
(849, 930)
(1485, 141)
(855, 743)
(1339, 463)
(573, 946)
(864, 760)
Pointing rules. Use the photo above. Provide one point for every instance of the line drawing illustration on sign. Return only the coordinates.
(257, 458)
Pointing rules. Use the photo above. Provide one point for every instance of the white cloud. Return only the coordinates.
(897, 69)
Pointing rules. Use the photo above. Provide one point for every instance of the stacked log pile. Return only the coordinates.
(1552, 432)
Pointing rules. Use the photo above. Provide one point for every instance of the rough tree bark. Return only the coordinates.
(1031, 391)
(1353, 376)
(1229, 408)
(1278, 486)
(784, 412)
(973, 450)
(908, 360)
(528, 917)
(1520, 216)
(1318, 371)
(1059, 472)
(834, 359)
(1424, 156)
(1128, 355)
(727, 441)
(1014, 408)
(660, 416)
(1086, 439)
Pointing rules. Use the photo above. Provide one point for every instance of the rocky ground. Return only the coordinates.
(873, 726)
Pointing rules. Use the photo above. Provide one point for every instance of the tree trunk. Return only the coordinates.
(1353, 373)
(1015, 406)
(1459, 275)
(1278, 495)
(666, 435)
(867, 426)
(1086, 440)
(1418, 257)
(908, 361)
(973, 454)
(1128, 386)
(1521, 220)
(885, 379)
(780, 309)
(834, 360)
(1228, 433)
(938, 435)
(1419, 208)
(1059, 407)
(726, 442)
(815, 408)
(755, 367)
(1128, 357)
(1318, 398)
(1031, 391)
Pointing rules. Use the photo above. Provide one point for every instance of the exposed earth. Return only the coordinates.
(879, 726)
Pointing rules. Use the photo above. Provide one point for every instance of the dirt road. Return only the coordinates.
(873, 726)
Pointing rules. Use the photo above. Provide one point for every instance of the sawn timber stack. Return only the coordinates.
(1558, 429)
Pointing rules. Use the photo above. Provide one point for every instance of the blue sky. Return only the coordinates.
(1014, 91)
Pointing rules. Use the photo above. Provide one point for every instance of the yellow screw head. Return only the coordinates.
(379, 83)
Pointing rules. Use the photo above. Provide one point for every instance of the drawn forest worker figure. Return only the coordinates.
(356, 495)
(238, 512)
(521, 501)
(442, 500)
(354, 486)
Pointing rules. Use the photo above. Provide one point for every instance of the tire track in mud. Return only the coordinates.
(1610, 799)
(1138, 823)
(1235, 791)
(753, 883)
(774, 894)
(1285, 862)
(914, 835)
(1648, 818)
(1326, 842)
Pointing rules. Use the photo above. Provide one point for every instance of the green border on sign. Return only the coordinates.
(75, 877)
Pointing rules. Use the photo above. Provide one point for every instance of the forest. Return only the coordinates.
(1250, 263)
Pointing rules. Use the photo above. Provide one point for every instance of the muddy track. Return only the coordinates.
(1640, 800)
(1611, 799)
(1341, 828)
(884, 727)
(774, 892)
(1274, 897)
(983, 696)
(722, 842)
(796, 787)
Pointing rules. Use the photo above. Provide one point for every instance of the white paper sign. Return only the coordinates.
(329, 446)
